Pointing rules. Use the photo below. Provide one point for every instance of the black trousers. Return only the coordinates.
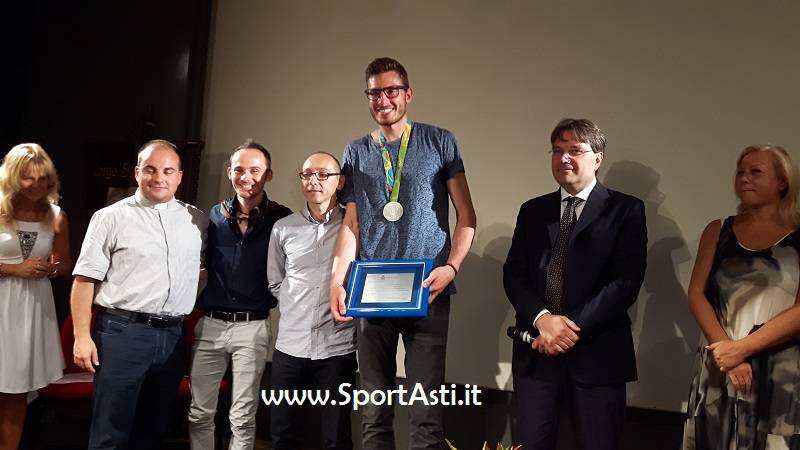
(425, 341)
(293, 373)
(597, 412)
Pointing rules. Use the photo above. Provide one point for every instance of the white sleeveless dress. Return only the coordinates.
(30, 346)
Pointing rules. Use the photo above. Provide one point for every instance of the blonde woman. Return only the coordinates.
(743, 293)
(34, 245)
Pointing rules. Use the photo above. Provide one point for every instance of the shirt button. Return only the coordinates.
(233, 299)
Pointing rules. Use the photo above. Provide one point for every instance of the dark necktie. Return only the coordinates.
(554, 288)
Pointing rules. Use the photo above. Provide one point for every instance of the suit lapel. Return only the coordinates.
(594, 206)
(553, 216)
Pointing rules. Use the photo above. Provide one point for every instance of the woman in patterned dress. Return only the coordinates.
(743, 293)
(34, 245)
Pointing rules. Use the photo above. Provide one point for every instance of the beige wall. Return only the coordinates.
(679, 88)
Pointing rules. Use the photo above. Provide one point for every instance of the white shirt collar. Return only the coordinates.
(583, 195)
(144, 201)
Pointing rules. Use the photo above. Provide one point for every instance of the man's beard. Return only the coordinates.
(390, 121)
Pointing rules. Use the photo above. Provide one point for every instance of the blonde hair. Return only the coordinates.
(15, 164)
(787, 172)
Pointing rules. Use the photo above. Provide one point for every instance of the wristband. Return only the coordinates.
(453, 267)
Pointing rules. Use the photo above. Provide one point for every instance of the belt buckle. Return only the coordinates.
(156, 322)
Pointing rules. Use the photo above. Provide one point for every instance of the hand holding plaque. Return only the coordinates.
(388, 288)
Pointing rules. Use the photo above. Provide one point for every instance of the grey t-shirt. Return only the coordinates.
(432, 158)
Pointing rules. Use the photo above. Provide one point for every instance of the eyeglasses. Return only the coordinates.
(573, 152)
(389, 91)
(321, 176)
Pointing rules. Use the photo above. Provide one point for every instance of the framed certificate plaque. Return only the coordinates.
(388, 288)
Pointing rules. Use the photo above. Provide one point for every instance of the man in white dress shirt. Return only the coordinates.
(139, 264)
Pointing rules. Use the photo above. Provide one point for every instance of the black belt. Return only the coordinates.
(241, 316)
(151, 320)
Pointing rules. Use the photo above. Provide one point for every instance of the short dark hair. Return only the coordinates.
(584, 131)
(385, 64)
(249, 143)
(157, 143)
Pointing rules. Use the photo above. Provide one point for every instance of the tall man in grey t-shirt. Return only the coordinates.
(432, 172)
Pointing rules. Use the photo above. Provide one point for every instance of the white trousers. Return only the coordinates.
(245, 344)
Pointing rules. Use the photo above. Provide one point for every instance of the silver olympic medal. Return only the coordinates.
(393, 211)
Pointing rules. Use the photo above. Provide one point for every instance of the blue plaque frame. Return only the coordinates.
(416, 306)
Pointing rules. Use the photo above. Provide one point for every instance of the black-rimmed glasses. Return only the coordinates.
(321, 176)
(389, 91)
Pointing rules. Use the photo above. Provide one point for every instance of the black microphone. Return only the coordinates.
(520, 335)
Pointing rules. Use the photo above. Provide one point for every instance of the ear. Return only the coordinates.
(598, 159)
(229, 171)
(409, 94)
(136, 173)
(340, 184)
(180, 177)
(268, 175)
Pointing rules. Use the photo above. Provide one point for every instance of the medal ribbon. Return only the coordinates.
(392, 179)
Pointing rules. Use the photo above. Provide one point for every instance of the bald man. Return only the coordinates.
(313, 351)
(139, 264)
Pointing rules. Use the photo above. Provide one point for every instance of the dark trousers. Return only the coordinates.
(597, 412)
(293, 373)
(135, 383)
(425, 341)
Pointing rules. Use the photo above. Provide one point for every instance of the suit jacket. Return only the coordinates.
(606, 261)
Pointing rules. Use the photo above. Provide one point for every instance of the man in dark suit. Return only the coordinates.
(576, 263)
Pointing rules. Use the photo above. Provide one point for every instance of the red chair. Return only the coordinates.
(61, 416)
(76, 382)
